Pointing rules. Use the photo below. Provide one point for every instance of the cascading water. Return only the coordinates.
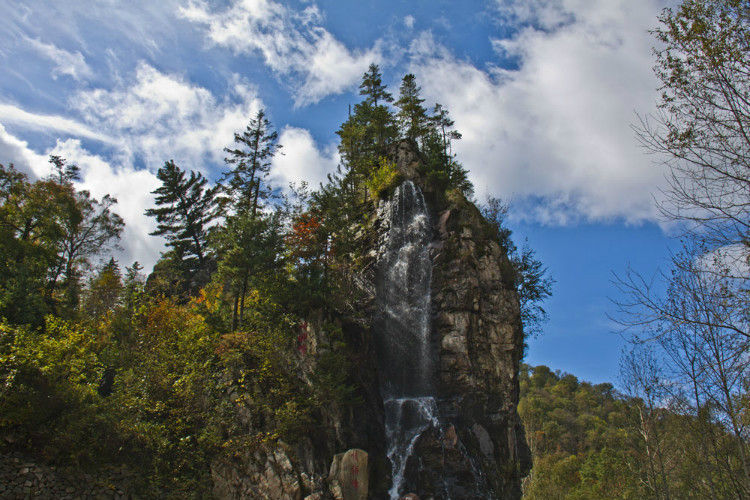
(404, 353)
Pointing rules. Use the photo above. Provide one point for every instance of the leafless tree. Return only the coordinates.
(701, 131)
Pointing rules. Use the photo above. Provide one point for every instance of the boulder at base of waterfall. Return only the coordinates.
(349, 478)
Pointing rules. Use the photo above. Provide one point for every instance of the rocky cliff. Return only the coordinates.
(480, 450)
(473, 445)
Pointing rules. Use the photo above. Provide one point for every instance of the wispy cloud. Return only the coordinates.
(160, 116)
(72, 64)
(35, 121)
(294, 44)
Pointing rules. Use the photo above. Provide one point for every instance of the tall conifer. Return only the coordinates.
(186, 208)
(250, 162)
(412, 116)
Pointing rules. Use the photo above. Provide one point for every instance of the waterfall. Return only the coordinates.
(405, 361)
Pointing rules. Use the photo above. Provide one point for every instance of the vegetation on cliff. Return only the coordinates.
(212, 354)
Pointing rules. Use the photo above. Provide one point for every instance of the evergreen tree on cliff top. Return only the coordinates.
(412, 116)
(368, 131)
(372, 87)
(377, 117)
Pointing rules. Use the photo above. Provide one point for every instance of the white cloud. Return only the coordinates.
(66, 63)
(154, 117)
(409, 21)
(16, 151)
(34, 121)
(292, 43)
(301, 160)
(557, 129)
(132, 188)
(160, 116)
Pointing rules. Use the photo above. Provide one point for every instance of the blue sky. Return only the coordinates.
(544, 92)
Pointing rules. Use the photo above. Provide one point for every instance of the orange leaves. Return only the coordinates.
(306, 239)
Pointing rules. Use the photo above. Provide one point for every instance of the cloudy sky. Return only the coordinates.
(544, 92)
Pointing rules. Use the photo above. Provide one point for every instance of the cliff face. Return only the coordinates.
(473, 445)
(479, 340)
(480, 450)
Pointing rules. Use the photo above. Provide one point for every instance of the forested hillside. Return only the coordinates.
(591, 441)
(250, 335)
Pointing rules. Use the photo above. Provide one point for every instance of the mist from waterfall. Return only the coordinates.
(405, 361)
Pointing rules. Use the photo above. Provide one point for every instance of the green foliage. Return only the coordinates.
(383, 178)
(577, 434)
(185, 210)
(48, 234)
(48, 391)
(590, 442)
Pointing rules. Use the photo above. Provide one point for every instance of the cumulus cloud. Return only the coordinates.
(409, 21)
(72, 64)
(554, 134)
(301, 159)
(17, 152)
(160, 116)
(292, 43)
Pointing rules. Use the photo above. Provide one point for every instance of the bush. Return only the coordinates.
(384, 178)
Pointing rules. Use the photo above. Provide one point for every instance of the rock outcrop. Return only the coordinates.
(477, 448)
(480, 449)
(477, 329)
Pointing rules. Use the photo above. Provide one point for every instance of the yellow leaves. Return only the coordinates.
(210, 297)
(383, 177)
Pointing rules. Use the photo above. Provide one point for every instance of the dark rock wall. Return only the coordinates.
(479, 340)
(480, 450)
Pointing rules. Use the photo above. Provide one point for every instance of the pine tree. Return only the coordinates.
(186, 209)
(104, 291)
(443, 125)
(245, 241)
(251, 163)
(133, 287)
(412, 116)
(372, 87)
